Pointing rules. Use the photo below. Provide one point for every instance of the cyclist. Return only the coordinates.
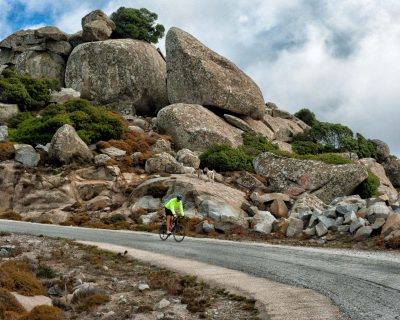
(172, 208)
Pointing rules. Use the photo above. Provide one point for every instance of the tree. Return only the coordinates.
(307, 117)
(137, 24)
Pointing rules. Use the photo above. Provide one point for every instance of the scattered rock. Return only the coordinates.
(218, 82)
(164, 303)
(263, 222)
(114, 152)
(327, 222)
(378, 224)
(188, 158)
(66, 146)
(160, 146)
(207, 227)
(26, 154)
(185, 124)
(143, 286)
(321, 229)
(64, 95)
(3, 133)
(279, 209)
(363, 233)
(249, 181)
(358, 223)
(163, 163)
(150, 218)
(146, 203)
(379, 210)
(101, 159)
(29, 303)
(7, 111)
(283, 146)
(295, 228)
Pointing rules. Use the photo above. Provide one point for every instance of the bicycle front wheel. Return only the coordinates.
(163, 232)
(179, 231)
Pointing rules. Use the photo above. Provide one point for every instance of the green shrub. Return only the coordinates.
(254, 144)
(307, 147)
(137, 24)
(92, 123)
(369, 187)
(225, 158)
(331, 158)
(30, 94)
(307, 117)
(15, 120)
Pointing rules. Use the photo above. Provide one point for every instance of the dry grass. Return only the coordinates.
(91, 301)
(43, 313)
(10, 215)
(17, 276)
(393, 243)
(8, 303)
(6, 150)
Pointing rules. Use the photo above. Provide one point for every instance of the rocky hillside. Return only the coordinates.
(150, 125)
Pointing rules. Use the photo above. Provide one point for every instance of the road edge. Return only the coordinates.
(275, 301)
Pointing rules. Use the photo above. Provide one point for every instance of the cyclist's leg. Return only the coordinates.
(169, 219)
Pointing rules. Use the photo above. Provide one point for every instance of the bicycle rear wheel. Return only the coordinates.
(163, 232)
(179, 231)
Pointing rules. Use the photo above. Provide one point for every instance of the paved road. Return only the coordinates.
(364, 285)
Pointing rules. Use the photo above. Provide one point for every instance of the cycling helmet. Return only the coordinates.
(179, 197)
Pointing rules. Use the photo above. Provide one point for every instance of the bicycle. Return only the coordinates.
(178, 230)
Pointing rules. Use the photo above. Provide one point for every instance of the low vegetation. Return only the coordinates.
(92, 123)
(369, 187)
(325, 137)
(137, 24)
(225, 158)
(30, 94)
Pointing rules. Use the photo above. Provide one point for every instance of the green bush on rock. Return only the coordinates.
(137, 24)
(30, 94)
(92, 123)
(369, 187)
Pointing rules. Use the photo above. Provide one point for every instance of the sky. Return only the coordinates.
(339, 58)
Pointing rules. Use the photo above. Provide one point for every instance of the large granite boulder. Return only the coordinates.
(119, 70)
(383, 149)
(392, 169)
(197, 75)
(39, 64)
(26, 155)
(66, 146)
(51, 33)
(19, 41)
(206, 199)
(294, 177)
(97, 26)
(195, 127)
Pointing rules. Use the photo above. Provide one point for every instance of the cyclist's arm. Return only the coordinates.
(181, 209)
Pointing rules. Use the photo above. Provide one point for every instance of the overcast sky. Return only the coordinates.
(339, 58)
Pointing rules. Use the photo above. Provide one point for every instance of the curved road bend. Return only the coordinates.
(365, 285)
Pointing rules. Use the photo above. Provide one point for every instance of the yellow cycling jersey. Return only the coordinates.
(175, 206)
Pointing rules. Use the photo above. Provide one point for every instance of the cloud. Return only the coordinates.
(337, 57)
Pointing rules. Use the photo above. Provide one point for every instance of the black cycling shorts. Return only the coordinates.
(168, 212)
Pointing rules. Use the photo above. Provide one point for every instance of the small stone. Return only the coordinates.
(328, 222)
(346, 208)
(136, 129)
(378, 223)
(101, 160)
(160, 146)
(343, 228)
(358, 223)
(349, 217)
(114, 152)
(295, 227)
(143, 286)
(279, 209)
(3, 133)
(330, 213)
(310, 232)
(321, 229)
(26, 154)
(164, 303)
(208, 227)
(363, 233)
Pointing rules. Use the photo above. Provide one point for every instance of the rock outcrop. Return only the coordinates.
(202, 198)
(66, 146)
(295, 176)
(97, 26)
(197, 75)
(7, 111)
(195, 127)
(392, 168)
(119, 70)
